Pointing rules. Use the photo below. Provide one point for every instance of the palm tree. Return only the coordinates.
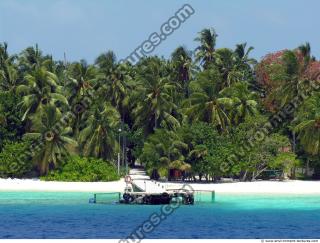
(40, 89)
(242, 55)
(80, 78)
(206, 104)
(54, 142)
(8, 77)
(305, 50)
(245, 66)
(205, 51)
(290, 77)
(167, 149)
(98, 137)
(31, 58)
(225, 62)
(8, 71)
(243, 62)
(107, 62)
(115, 85)
(195, 156)
(155, 106)
(234, 66)
(308, 125)
(115, 80)
(119, 86)
(244, 101)
(4, 55)
(182, 66)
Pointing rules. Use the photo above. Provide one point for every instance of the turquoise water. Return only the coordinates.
(69, 215)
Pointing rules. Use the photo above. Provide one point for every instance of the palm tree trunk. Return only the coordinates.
(293, 142)
(155, 121)
(307, 168)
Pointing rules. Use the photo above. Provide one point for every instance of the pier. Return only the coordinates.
(140, 189)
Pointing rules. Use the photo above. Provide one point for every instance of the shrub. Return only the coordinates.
(10, 165)
(83, 169)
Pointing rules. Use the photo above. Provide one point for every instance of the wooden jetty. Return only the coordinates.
(157, 198)
(149, 192)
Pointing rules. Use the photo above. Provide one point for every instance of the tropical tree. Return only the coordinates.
(242, 55)
(190, 111)
(163, 150)
(182, 68)
(53, 142)
(115, 82)
(32, 58)
(4, 55)
(234, 66)
(206, 103)
(155, 106)
(254, 158)
(40, 90)
(305, 51)
(118, 87)
(244, 101)
(9, 78)
(115, 85)
(205, 52)
(98, 138)
(11, 126)
(307, 125)
(80, 78)
(284, 74)
(244, 64)
(8, 71)
(107, 62)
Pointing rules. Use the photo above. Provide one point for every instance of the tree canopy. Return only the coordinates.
(191, 111)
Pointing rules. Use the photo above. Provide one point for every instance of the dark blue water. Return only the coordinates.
(68, 215)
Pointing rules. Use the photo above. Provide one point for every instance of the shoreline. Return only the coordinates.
(35, 185)
(290, 187)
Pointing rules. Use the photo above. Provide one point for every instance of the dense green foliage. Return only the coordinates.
(196, 111)
(207, 151)
(11, 126)
(10, 165)
(83, 169)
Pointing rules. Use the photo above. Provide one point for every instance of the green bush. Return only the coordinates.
(83, 169)
(11, 126)
(11, 164)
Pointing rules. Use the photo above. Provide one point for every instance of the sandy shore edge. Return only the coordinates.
(257, 187)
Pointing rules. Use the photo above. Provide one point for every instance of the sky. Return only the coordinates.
(83, 29)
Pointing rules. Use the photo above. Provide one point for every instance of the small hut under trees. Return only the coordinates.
(178, 170)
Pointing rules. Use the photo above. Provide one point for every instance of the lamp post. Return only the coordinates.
(124, 150)
(119, 152)
(126, 161)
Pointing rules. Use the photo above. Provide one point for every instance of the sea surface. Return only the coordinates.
(69, 215)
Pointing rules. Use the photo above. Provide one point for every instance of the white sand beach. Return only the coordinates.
(55, 186)
(264, 187)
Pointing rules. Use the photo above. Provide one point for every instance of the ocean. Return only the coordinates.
(48, 215)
